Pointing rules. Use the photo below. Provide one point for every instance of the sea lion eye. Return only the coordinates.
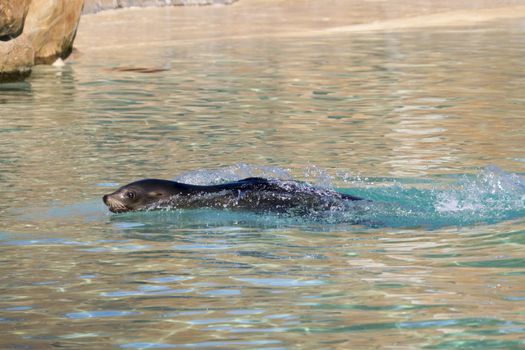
(130, 195)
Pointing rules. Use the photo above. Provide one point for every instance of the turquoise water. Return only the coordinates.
(425, 124)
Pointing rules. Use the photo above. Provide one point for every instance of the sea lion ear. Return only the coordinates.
(155, 194)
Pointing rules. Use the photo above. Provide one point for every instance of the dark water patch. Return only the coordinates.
(202, 345)
(100, 314)
(9, 320)
(170, 279)
(499, 263)
(511, 329)
(514, 273)
(442, 256)
(373, 307)
(479, 344)
(147, 290)
(221, 292)
(465, 322)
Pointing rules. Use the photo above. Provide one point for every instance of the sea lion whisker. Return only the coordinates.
(116, 205)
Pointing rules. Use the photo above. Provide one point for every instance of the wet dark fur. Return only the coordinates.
(253, 194)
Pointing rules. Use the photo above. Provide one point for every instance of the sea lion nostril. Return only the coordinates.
(105, 199)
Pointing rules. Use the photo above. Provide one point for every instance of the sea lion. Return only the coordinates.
(251, 194)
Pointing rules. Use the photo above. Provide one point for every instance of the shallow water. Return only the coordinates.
(425, 123)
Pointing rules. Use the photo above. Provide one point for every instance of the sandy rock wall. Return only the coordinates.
(35, 31)
(92, 6)
(16, 59)
(51, 26)
(12, 15)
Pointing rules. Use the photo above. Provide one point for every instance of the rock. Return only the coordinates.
(51, 26)
(48, 30)
(92, 6)
(16, 59)
(12, 15)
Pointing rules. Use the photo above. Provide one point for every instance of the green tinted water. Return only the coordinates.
(427, 124)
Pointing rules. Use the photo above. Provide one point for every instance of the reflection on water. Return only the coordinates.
(410, 120)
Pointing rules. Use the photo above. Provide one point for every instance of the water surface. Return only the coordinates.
(426, 123)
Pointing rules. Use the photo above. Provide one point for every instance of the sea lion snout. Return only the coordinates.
(114, 204)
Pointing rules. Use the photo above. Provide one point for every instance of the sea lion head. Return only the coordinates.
(139, 195)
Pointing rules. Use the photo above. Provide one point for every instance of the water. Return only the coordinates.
(425, 123)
